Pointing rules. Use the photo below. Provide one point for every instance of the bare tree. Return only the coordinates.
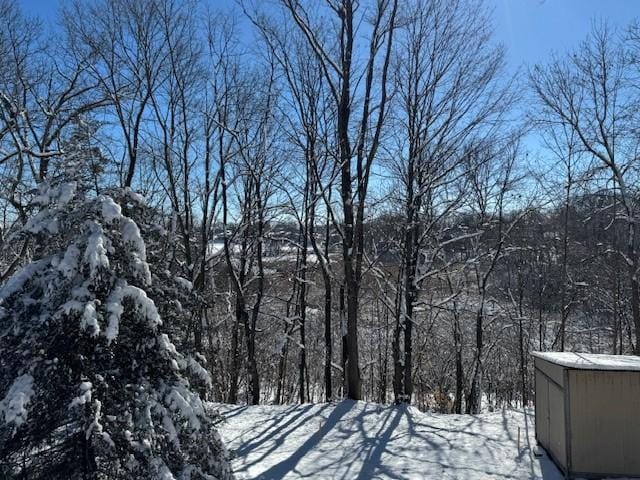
(309, 120)
(44, 96)
(492, 178)
(126, 50)
(247, 173)
(563, 142)
(448, 79)
(589, 94)
(337, 49)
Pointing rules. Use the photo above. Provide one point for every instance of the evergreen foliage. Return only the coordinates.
(91, 384)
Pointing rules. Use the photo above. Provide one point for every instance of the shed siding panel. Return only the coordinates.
(552, 371)
(557, 439)
(605, 421)
(542, 409)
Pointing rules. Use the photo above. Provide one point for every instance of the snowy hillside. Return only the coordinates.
(357, 440)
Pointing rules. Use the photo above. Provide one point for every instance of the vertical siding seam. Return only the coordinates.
(567, 422)
(535, 398)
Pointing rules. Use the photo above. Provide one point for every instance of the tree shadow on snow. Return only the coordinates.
(435, 445)
(284, 467)
(373, 448)
(347, 441)
(367, 452)
(281, 424)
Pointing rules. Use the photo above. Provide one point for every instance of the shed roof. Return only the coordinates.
(591, 361)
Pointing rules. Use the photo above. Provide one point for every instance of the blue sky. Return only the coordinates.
(531, 29)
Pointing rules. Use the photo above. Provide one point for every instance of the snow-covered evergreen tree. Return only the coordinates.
(91, 385)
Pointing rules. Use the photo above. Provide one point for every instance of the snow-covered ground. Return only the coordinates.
(362, 441)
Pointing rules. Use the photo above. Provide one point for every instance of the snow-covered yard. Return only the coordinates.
(357, 440)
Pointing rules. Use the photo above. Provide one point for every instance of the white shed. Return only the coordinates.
(588, 412)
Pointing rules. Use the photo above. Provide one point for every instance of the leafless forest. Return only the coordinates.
(365, 200)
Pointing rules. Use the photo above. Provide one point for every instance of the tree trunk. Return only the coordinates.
(328, 344)
(343, 334)
(457, 402)
(235, 364)
(473, 400)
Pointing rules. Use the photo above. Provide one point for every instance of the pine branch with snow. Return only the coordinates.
(91, 384)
